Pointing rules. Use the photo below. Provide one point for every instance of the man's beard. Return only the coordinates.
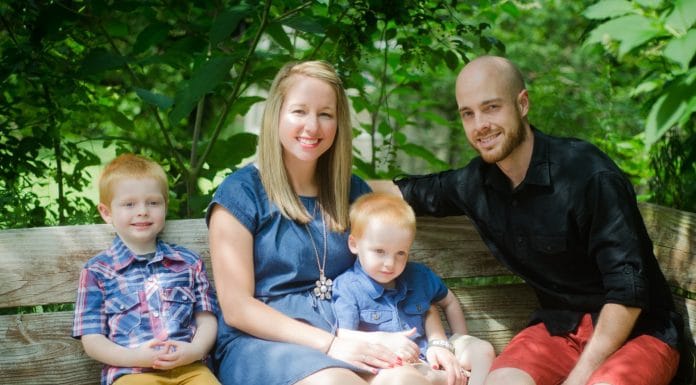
(512, 140)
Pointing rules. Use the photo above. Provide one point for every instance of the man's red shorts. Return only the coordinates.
(644, 360)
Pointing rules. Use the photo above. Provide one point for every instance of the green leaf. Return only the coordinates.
(153, 34)
(121, 120)
(423, 153)
(452, 60)
(229, 152)
(162, 102)
(653, 4)
(304, 24)
(690, 109)
(278, 35)
(670, 108)
(226, 22)
(363, 169)
(511, 9)
(645, 87)
(204, 79)
(681, 50)
(117, 29)
(683, 15)
(608, 9)
(99, 60)
(244, 103)
(631, 31)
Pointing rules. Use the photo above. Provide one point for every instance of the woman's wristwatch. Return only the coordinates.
(441, 344)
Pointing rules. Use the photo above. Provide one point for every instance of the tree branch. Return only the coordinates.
(136, 80)
(234, 95)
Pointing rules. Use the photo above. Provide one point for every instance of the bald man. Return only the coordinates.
(561, 215)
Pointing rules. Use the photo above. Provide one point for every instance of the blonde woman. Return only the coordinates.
(278, 238)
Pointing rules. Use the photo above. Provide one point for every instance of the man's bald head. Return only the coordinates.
(492, 69)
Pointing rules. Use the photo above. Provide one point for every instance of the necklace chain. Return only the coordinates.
(322, 289)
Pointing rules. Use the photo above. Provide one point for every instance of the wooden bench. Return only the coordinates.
(40, 266)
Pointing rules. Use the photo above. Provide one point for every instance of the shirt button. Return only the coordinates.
(155, 314)
(122, 307)
(150, 279)
(375, 316)
(184, 298)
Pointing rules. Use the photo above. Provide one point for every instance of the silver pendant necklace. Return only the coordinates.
(323, 284)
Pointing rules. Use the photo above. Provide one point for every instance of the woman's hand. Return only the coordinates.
(362, 354)
(399, 343)
(441, 358)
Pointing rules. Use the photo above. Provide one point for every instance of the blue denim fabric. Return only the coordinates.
(285, 272)
(361, 303)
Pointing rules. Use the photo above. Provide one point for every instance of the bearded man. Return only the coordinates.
(560, 214)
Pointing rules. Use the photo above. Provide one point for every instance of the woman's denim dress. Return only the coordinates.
(285, 269)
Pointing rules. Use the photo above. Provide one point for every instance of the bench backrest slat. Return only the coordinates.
(41, 266)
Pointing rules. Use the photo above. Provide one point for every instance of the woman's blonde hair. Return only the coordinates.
(382, 207)
(130, 166)
(333, 167)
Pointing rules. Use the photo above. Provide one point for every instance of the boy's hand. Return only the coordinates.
(441, 358)
(175, 354)
(147, 353)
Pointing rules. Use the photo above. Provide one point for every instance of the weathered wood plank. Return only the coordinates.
(41, 265)
(496, 313)
(58, 253)
(37, 349)
(453, 248)
(673, 233)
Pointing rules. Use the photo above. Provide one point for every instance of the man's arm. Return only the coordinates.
(613, 328)
(384, 186)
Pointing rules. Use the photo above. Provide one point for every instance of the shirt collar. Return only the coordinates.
(124, 257)
(372, 287)
(538, 173)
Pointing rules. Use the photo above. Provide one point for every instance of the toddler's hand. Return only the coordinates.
(146, 354)
(441, 358)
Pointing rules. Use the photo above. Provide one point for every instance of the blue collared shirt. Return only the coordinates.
(363, 304)
(132, 299)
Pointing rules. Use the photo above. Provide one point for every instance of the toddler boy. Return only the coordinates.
(144, 308)
(383, 291)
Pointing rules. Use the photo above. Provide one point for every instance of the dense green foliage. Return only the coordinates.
(181, 82)
(656, 40)
(172, 80)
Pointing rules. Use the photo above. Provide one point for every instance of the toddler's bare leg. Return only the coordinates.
(436, 377)
(475, 355)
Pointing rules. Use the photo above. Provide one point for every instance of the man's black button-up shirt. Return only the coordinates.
(572, 230)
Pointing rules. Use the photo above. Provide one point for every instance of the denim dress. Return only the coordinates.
(285, 269)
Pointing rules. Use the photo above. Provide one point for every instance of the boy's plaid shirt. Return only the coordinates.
(132, 299)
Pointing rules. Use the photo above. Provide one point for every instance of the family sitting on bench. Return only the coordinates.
(292, 306)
